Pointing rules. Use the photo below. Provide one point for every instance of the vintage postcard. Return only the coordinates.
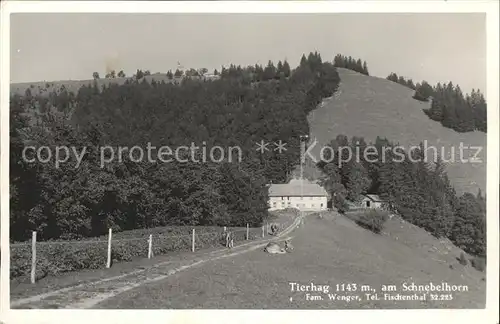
(235, 161)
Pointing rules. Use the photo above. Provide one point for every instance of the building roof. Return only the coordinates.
(374, 198)
(297, 188)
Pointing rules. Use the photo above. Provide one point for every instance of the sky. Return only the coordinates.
(432, 47)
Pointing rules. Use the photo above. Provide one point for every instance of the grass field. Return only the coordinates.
(328, 251)
(369, 107)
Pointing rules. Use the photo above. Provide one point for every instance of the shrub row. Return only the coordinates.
(57, 257)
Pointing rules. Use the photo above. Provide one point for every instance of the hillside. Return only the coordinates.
(369, 107)
(328, 251)
(364, 106)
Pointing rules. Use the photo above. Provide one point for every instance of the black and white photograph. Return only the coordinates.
(169, 160)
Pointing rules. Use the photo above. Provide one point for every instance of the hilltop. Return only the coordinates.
(42, 87)
(367, 106)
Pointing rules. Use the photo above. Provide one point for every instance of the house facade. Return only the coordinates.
(372, 201)
(300, 194)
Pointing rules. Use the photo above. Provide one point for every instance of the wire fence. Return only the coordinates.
(39, 259)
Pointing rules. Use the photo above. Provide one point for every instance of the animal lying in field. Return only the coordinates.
(274, 248)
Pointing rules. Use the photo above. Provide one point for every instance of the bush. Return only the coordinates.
(479, 263)
(463, 260)
(372, 219)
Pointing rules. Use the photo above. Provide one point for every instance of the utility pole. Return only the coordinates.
(302, 137)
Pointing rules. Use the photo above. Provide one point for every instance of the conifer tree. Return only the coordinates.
(365, 68)
(286, 69)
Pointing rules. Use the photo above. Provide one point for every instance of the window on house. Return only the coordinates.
(368, 203)
(288, 198)
(282, 198)
(321, 205)
(274, 204)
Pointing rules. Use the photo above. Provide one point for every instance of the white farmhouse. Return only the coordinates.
(300, 194)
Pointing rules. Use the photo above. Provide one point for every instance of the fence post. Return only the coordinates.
(192, 247)
(150, 248)
(33, 258)
(263, 231)
(108, 264)
(247, 232)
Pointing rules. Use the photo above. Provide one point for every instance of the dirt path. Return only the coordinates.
(87, 295)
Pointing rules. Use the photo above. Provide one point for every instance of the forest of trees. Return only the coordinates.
(67, 202)
(350, 63)
(259, 73)
(419, 191)
(453, 110)
(449, 105)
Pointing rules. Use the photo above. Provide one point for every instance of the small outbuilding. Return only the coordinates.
(372, 201)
